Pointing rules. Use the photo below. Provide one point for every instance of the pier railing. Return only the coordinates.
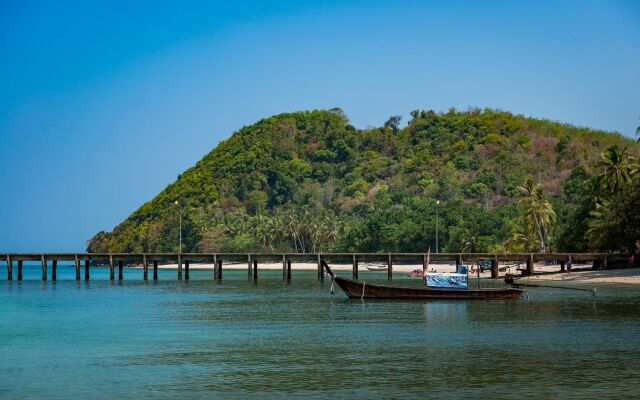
(184, 260)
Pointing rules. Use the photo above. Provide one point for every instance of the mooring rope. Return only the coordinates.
(363, 286)
(332, 290)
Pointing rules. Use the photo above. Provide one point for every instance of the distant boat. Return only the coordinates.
(378, 268)
(363, 290)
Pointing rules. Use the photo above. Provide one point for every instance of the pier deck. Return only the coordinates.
(184, 260)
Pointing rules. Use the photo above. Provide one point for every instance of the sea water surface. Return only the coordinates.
(272, 339)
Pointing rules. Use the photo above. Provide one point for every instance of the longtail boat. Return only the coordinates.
(363, 290)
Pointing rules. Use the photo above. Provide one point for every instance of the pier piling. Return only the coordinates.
(255, 269)
(320, 271)
(43, 260)
(9, 268)
(54, 270)
(562, 266)
(86, 269)
(145, 268)
(112, 274)
(155, 270)
(494, 268)
(389, 268)
(120, 268)
(284, 267)
(179, 268)
(355, 267)
(219, 269)
(289, 270)
(19, 270)
(186, 270)
(77, 265)
(249, 271)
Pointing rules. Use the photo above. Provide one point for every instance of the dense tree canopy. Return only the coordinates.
(310, 181)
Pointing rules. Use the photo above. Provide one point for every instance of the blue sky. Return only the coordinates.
(103, 104)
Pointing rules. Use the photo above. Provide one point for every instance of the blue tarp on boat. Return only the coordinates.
(443, 280)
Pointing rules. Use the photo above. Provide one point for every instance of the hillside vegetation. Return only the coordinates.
(309, 181)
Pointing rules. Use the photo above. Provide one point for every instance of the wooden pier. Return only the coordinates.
(184, 260)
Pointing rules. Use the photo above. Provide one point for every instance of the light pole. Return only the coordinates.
(180, 212)
(437, 206)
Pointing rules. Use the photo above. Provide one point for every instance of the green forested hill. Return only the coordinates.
(310, 181)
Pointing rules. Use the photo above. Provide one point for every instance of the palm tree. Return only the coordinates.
(597, 222)
(616, 169)
(306, 219)
(324, 230)
(316, 234)
(537, 212)
(237, 224)
(520, 240)
(634, 164)
(262, 231)
(275, 228)
(292, 229)
(333, 227)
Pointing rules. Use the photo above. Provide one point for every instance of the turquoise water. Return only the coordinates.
(236, 339)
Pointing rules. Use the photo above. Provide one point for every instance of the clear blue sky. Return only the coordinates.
(102, 104)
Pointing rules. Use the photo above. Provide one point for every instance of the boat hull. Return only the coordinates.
(363, 290)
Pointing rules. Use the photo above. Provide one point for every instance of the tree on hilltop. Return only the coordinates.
(393, 122)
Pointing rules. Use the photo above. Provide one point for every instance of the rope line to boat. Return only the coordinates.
(513, 282)
(332, 289)
(364, 283)
(589, 290)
